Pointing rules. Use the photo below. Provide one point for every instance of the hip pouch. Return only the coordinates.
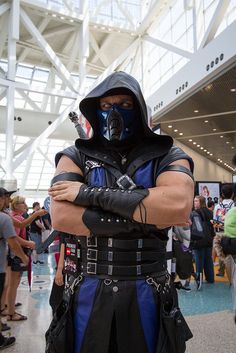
(174, 331)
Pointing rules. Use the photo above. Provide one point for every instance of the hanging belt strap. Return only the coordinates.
(93, 268)
(126, 256)
(126, 244)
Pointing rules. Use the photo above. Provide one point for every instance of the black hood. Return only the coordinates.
(123, 81)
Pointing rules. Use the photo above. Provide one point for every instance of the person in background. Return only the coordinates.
(203, 248)
(18, 207)
(36, 229)
(220, 212)
(225, 245)
(20, 224)
(7, 236)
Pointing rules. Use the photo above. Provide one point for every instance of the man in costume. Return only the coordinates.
(119, 192)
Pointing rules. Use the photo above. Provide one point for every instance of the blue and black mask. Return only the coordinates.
(117, 123)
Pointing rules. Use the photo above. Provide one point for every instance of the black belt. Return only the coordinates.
(126, 244)
(93, 268)
(113, 256)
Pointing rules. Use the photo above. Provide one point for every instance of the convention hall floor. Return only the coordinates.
(208, 313)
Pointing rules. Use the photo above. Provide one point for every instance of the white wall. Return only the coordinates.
(205, 169)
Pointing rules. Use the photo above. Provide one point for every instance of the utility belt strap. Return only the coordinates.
(114, 256)
(94, 268)
(126, 244)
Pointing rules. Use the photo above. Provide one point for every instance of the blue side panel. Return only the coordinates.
(84, 307)
(144, 175)
(98, 177)
(148, 314)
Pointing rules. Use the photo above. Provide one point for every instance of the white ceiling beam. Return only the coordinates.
(4, 8)
(126, 13)
(168, 47)
(46, 157)
(215, 22)
(46, 97)
(26, 51)
(109, 38)
(21, 149)
(3, 32)
(149, 18)
(117, 62)
(98, 52)
(58, 30)
(62, 71)
(29, 100)
(83, 45)
(26, 173)
(37, 89)
(46, 133)
(3, 93)
(50, 8)
(69, 4)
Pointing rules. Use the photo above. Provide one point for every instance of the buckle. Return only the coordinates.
(92, 268)
(92, 242)
(125, 183)
(92, 254)
(92, 164)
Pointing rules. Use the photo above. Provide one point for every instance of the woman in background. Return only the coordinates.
(203, 247)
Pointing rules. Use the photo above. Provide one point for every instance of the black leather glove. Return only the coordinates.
(118, 201)
(104, 223)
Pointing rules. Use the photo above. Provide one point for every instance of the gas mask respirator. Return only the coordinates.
(116, 124)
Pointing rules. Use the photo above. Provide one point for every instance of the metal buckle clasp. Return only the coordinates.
(92, 242)
(92, 268)
(125, 183)
(92, 254)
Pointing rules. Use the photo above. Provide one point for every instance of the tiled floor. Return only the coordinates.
(208, 312)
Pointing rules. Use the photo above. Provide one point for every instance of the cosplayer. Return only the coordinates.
(119, 192)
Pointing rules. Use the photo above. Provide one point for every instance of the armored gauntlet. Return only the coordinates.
(107, 223)
(118, 201)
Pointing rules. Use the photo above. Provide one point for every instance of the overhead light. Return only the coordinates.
(208, 152)
(232, 147)
(175, 130)
(196, 111)
(194, 143)
(214, 129)
(206, 121)
(221, 136)
(201, 148)
(54, 15)
(198, 145)
(233, 89)
(62, 17)
(218, 159)
(169, 126)
(227, 142)
(211, 154)
(190, 140)
(181, 133)
(205, 150)
(71, 20)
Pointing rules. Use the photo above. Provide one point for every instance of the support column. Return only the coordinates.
(9, 181)
(84, 45)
